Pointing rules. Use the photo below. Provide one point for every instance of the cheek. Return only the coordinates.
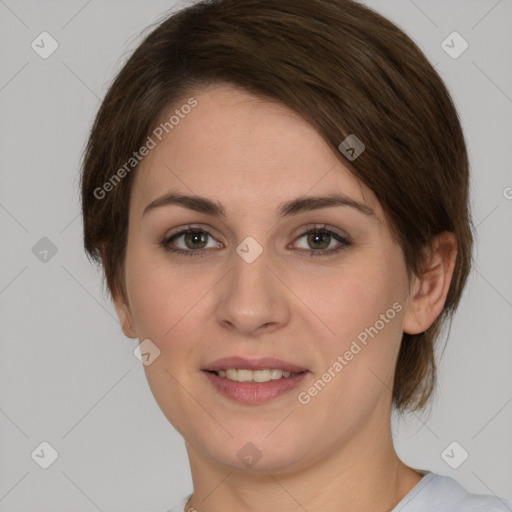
(171, 307)
(159, 296)
(165, 310)
(353, 299)
(363, 307)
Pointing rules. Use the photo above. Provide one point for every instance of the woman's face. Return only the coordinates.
(251, 285)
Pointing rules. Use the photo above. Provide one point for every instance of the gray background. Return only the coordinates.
(68, 375)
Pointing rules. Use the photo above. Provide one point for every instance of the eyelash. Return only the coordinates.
(204, 252)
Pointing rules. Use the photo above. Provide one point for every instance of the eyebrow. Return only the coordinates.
(302, 204)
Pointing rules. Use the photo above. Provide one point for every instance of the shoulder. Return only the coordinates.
(485, 502)
(434, 492)
(180, 506)
(444, 494)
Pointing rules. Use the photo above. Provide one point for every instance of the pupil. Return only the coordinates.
(196, 238)
(313, 237)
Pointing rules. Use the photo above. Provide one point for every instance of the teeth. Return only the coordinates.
(243, 375)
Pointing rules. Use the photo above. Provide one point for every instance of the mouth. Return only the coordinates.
(254, 381)
(246, 375)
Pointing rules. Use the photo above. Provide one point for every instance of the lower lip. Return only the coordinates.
(254, 392)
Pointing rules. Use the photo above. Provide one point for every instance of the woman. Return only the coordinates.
(278, 193)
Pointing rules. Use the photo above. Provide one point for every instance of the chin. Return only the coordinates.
(259, 453)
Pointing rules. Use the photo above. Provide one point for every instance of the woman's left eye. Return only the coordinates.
(196, 242)
(317, 235)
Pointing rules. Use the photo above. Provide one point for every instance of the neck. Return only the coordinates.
(363, 475)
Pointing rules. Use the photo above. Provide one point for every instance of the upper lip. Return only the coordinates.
(261, 363)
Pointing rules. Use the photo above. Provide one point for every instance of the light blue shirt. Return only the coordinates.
(433, 493)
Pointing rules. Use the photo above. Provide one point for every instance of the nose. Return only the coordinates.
(253, 298)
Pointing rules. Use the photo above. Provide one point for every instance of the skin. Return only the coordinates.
(251, 155)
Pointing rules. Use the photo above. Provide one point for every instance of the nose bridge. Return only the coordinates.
(251, 297)
(251, 270)
(251, 278)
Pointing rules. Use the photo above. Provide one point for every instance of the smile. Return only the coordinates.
(244, 375)
(252, 391)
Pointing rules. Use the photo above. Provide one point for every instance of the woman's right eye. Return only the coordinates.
(195, 241)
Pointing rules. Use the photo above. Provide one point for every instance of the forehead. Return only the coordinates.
(245, 151)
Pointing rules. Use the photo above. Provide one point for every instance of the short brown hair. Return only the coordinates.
(346, 70)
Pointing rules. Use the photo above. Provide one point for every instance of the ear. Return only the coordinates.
(120, 303)
(125, 316)
(430, 289)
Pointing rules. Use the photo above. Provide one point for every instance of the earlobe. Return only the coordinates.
(123, 311)
(125, 317)
(431, 288)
